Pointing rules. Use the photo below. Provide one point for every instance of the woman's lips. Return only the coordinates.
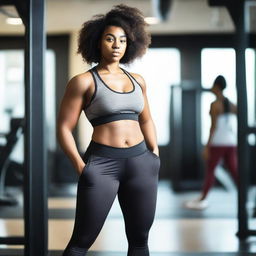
(116, 54)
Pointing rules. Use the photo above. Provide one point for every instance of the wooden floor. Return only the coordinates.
(176, 231)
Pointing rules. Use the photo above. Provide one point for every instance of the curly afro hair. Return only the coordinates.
(130, 19)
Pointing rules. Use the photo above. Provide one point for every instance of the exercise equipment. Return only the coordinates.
(17, 128)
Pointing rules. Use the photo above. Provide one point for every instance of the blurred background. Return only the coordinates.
(192, 43)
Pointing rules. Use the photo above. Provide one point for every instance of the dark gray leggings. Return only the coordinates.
(132, 174)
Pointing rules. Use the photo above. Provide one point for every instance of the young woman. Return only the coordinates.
(222, 141)
(122, 158)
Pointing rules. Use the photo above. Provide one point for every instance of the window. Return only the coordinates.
(222, 61)
(214, 62)
(12, 98)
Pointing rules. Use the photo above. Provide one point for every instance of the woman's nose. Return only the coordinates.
(116, 45)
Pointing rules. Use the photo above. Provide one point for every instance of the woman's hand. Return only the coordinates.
(156, 151)
(80, 169)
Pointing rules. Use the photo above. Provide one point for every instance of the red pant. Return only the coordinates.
(216, 153)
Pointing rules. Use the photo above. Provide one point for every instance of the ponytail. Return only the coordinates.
(226, 105)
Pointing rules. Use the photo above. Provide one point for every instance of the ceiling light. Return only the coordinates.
(14, 21)
(152, 20)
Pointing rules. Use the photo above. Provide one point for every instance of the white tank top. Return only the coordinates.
(225, 133)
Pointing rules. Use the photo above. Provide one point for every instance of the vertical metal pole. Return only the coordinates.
(176, 136)
(35, 190)
(243, 148)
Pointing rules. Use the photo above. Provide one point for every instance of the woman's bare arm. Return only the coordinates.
(214, 112)
(146, 123)
(69, 113)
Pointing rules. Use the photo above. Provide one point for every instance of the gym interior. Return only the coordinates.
(193, 41)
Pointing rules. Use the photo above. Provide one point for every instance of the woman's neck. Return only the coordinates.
(109, 67)
(220, 96)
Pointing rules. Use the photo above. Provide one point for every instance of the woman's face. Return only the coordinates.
(216, 89)
(113, 44)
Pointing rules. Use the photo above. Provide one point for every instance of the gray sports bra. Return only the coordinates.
(107, 105)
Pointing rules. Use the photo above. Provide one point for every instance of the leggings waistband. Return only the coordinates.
(96, 148)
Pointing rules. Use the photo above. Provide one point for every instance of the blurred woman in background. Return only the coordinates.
(222, 142)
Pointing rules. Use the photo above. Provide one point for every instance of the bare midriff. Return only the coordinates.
(121, 133)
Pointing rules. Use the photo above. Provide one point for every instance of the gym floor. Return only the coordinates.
(176, 230)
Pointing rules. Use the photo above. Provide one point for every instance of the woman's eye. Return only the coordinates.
(123, 41)
(109, 39)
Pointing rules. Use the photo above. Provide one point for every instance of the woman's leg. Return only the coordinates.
(230, 159)
(216, 153)
(137, 197)
(97, 188)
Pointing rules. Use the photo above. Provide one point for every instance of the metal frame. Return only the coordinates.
(237, 12)
(35, 182)
(178, 127)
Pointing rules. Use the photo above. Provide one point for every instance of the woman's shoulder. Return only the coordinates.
(139, 78)
(82, 77)
(81, 81)
(233, 107)
(216, 107)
